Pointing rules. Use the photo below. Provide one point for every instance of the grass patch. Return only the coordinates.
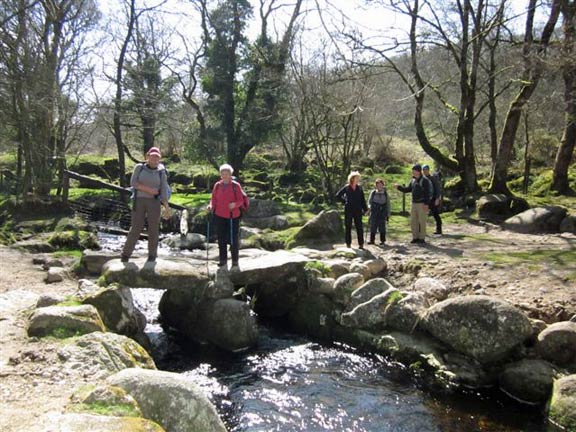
(561, 258)
(191, 200)
(77, 193)
(70, 253)
(70, 300)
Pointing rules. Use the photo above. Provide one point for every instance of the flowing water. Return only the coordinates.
(289, 383)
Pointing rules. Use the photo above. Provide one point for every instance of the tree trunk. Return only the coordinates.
(118, 98)
(565, 152)
(532, 75)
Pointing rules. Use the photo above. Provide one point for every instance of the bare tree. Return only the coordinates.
(566, 150)
(534, 52)
(41, 45)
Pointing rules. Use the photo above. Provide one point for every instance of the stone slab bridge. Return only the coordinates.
(199, 300)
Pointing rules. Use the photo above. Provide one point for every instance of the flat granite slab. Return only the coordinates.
(268, 267)
(164, 273)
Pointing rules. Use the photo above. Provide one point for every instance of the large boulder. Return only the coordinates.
(498, 207)
(563, 401)
(116, 307)
(568, 224)
(262, 209)
(371, 314)
(367, 291)
(406, 313)
(557, 344)
(162, 274)
(99, 355)
(277, 222)
(79, 422)
(276, 265)
(482, 327)
(229, 324)
(344, 287)
(528, 381)
(537, 220)
(55, 274)
(64, 321)
(275, 298)
(114, 399)
(325, 227)
(190, 241)
(170, 399)
(226, 323)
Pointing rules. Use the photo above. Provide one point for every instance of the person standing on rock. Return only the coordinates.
(352, 196)
(150, 188)
(420, 188)
(379, 205)
(225, 205)
(436, 197)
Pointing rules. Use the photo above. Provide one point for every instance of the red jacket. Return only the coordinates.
(223, 195)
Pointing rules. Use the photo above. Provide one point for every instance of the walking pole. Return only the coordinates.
(231, 231)
(208, 243)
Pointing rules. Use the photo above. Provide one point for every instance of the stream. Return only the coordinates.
(290, 383)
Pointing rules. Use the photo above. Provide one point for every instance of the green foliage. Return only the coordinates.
(71, 253)
(318, 265)
(107, 409)
(191, 200)
(395, 297)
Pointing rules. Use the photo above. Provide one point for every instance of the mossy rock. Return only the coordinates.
(563, 402)
(73, 224)
(73, 239)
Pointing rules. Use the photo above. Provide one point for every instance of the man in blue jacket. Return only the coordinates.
(420, 188)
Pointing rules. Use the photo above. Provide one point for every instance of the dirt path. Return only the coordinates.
(31, 380)
(536, 273)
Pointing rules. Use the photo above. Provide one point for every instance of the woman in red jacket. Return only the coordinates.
(225, 204)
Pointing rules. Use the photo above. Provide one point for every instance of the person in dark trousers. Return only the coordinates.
(352, 196)
(436, 199)
(379, 208)
(420, 188)
(225, 204)
(150, 191)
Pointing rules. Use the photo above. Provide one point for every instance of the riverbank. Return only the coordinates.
(535, 273)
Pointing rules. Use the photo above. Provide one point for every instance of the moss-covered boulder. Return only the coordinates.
(485, 328)
(64, 321)
(99, 355)
(170, 399)
(105, 399)
(563, 401)
(74, 239)
(537, 220)
(344, 286)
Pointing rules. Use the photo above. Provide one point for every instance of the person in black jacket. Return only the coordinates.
(436, 198)
(420, 188)
(352, 196)
(379, 204)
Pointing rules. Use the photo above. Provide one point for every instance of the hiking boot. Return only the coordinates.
(124, 258)
(348, 245)
(234, 264)
(361, 247)
(222, 264)
(415, 241)
(371, 242)
(382, 242)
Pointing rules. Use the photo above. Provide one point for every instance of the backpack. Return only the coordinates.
(162, 172)
(245, 200)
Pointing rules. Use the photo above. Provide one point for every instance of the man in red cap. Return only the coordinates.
(150, 190)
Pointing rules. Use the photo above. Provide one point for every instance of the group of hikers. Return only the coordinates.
(149, 183)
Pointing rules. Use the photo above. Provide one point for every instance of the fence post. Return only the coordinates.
(65, 187)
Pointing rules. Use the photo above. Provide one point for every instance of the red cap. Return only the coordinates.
(154, 151)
